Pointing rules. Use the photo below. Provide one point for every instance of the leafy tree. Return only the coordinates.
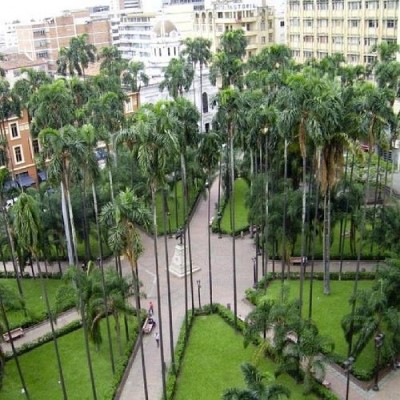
(256, 388)
(76, 57)
(178, 77)
(134, 76)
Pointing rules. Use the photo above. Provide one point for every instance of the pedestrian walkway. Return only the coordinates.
(222, 289)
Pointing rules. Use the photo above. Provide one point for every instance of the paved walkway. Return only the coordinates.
(221, 250)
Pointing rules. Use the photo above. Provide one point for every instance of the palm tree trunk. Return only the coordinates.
(232, 200)
(266, 228)
(283, 260)
(209, 237)
(53, 332)
(327, 239)
(201, 96)
(155, 240)
(303, 232)
(103, 282)
(139, 322)
(171, 331)
(66, 225)
(86, 228)
(14, 351)
(72, 224)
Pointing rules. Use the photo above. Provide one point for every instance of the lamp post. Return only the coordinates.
(254, 259)
(348, 366)
(198, 292)
(169, 224)
(219, 217)
(378, 346)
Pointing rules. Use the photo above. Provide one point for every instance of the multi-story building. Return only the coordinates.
(18, 151)
(255, 18)
(316, 28)
(43, 40)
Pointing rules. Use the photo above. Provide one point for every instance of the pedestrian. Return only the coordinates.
(157, 337)
(151, 309)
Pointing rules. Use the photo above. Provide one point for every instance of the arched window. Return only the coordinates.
(204, 100)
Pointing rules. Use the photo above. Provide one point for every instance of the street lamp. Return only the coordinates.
(378, 346)
(169, 224)
(219, 217)
(254, 259)
(198, 292)
(348, 366)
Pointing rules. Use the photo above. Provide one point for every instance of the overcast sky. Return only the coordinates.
(27, 9)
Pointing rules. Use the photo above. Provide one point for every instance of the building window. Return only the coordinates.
(372, 5)
(337, 39)
(353, 58)
(247, 27)
(323, 5)
(372, 23)
(308, 6)
(390, 5)
(337, 5)
(159, 52)
(308, 54)
(370, 41)
(220, 15)
(294, 6)
(295, 22)
(391, 23)
(354, 5)
(308, 23)
(3, 158)
(204, 100)
(169, 51)
(353, 40)
(207, 127)
(294, 38)
(354, 23)
(263, 40)
(282, 24)
(35, 146)
(308, 39)
(322, 23)
(369, 59)
(322, 39)
(337, 23)
(18, 154)
(14, 130)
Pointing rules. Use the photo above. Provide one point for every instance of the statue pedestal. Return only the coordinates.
(177, 266)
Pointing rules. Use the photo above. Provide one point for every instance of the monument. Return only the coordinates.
(177, 266)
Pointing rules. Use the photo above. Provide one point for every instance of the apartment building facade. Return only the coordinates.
(43, 40)
(317, 28)
(256, 19)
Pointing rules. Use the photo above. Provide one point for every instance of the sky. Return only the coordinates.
(24, 10)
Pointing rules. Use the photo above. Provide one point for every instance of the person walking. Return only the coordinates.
(151, 309)
(157, 337)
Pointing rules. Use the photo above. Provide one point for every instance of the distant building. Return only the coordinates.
(14, 63)
(317, 28)
(43, 40)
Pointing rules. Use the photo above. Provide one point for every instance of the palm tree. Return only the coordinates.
(76, 57)
(28, 228)
(134, 76)
(111, 61)
(178, 77)
(155, 147)
(209, 147)
(120, 217)
(227, 63)
(61, 148)
(198, 52)
(256, 389)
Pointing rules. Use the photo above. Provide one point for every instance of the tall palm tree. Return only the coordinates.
(178, 77)
(198, 52)
(120, 217)
(134, 76)
(76, 57)
(62, 147)
(209, 148)
(157, 143)
(111, 61)
(28, 227)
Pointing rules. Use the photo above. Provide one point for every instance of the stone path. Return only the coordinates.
(222, 287)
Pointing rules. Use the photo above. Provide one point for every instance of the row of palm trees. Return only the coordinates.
(271, 110)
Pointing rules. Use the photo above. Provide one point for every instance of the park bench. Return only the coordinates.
(15, 334)
(149, 324)
(297, 260)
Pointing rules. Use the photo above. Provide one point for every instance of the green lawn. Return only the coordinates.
(241, 212)
(328, 312)
(35, 305)
(41, 373)
(175, 208)
(212, 362)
